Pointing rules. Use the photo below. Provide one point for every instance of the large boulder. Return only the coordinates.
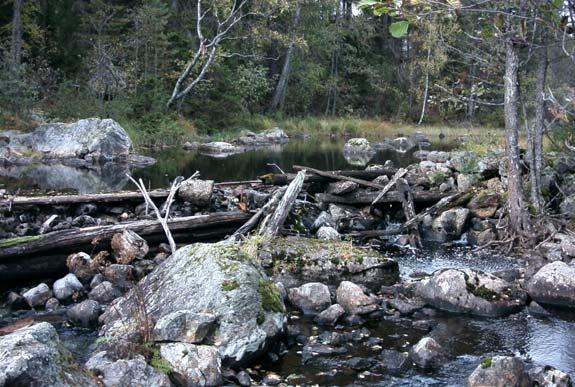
(267, 137)
(296, 260)
(353, 300)
(91, 139)
(499, 371)
(126, 373)
(471, 291)
(553, 284)
(34, 356)
(217, 278)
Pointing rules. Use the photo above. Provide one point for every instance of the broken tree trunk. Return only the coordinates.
(400, 173)
(271, 225)
(66, 241)
(406, 198)
(158, 194)
(255, 219)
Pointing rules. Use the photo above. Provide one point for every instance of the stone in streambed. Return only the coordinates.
(310, 298)
(128, 246)
(499, 371)
(38, 295)
(427, 353)
(553, 284)
(353, 300)
(193, 365)
(330, 315)
(66, 287)
(85, 314)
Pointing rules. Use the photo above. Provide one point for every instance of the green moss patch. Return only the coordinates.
(270, 297)
(486, 362)
(229, 285)
(19, 241)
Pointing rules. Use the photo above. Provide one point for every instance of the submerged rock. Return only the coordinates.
(553, 284)
(427, 353)
(471, 291)
(126, 373)
(310, 298)
(499, 371)
(34, 356)
(296, 260)
(219, 278)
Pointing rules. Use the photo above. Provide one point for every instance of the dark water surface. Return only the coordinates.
(316, 152)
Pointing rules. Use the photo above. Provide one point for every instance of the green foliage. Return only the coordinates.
(158, 362)
(486, 362)
(229, 285)
(399, 29)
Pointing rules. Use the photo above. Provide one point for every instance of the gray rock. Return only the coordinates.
(52, 304)
(219, 149)
(15, 301)
(328, 234)
(465, 181)
(79, 264)
(471, 291)
(310, 298)
(126, 373)
(91, 139)
(353, 300)
(499, 371)
(197, 192)
(193, 365)
(104, 293)
(34, 356)
(550, 377)
(128, 246)
(330, 315)
(65, 287)
(219, 278)
(271, 379)
(553, 284)
(438, 156)
(392, 361)
(449, 225)
(427, 353)
(184, 326)
(274, 135)
(357, 145)
(567, 206)
(38, 295)
(341, 187)
(484, 205)
(122, 276)
(295, 261)
(244, 379)
(97, 280)
(85, 314)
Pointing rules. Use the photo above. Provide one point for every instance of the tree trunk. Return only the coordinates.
(16, 45)
(517, 218)
(537, 129)
(279, 94)
(426, 92)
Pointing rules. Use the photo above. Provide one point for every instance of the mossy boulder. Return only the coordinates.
(198, 279)
(471, 291)
(296, 260)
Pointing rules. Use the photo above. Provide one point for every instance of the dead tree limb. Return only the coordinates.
(335, 176)
(272, 224)
(255, 219)
(400, 173)
(406, 198)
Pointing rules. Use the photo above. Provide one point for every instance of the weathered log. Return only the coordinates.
(406, 197)
(71, 240)
(271, 226)
(335, 176)
(388, 186)
(255, 219)
(366, 198)
(115, 197)
(286, 178)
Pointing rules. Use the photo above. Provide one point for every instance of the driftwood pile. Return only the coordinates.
(282, 192)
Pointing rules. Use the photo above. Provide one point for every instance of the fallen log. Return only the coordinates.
(366, 198)
(115, 197)
(286, 178)
(400, 173)
(73, 240)
(270, 227)
(406, 197)
(335, 176)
